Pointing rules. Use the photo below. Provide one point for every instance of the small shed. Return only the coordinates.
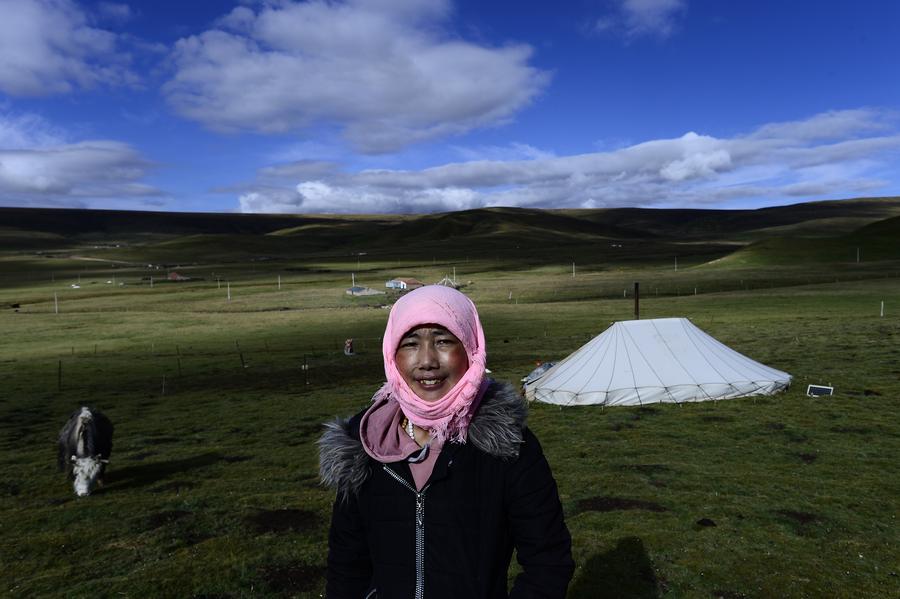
(404, 283)
(175, 276)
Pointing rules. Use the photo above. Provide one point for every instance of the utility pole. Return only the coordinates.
(637, 301)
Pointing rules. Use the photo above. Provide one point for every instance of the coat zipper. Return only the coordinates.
(420, 530)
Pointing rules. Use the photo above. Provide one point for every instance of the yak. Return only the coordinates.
(85, 443)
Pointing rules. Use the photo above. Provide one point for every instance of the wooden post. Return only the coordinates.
(279, 282)
(637, 301)
(55, 303)
(229, 290)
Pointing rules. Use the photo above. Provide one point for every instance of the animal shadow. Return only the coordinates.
(143, 475)
(622, 573)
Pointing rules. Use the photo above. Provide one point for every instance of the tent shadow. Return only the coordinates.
(148, 474)
(624, 572)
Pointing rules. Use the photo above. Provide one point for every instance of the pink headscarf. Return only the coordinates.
(447, 418)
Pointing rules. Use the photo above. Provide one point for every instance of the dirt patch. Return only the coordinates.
(871, 392)
(283, 520)
(705, 522)
(643, 411)
(856, 430)
(159, 519)
(292, 579)
(796, 437)
(612, 504)
(808, 458)
(802, 518)
(234, 459)
(621, 425)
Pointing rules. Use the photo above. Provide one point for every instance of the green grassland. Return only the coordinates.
(213, 491)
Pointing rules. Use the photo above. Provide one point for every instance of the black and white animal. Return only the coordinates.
(85, 443)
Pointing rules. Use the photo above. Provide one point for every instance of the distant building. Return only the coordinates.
(404, 283)
(174, 276)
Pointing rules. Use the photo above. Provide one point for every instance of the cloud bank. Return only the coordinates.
(385, 73)
(48, 47)
(39, 167)
(831, 154)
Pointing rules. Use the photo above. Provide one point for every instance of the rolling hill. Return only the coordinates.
(819, 231)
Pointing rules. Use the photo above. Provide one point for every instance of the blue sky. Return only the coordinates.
(373, 106)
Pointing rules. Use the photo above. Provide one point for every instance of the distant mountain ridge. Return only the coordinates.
(604, 222)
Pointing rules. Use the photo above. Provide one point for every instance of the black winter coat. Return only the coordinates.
(484, 498)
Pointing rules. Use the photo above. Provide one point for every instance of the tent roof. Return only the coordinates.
(635, 362)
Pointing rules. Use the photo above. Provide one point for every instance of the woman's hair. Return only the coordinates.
(447, 418)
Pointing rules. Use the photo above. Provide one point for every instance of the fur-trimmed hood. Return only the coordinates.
(496, 429)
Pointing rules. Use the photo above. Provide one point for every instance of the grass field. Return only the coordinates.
(213, 492)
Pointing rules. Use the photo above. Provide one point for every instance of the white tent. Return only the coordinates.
(637, 362)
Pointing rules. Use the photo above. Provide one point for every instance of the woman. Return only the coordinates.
(439, 479)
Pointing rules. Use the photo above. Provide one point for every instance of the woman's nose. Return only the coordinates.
(428, 356)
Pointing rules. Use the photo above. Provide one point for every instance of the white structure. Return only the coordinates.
(404, 283)
(637, 362)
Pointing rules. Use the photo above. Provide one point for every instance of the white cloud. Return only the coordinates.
(38, 166)
(513, 151)
(48, 47)
(27, 131)
(643, 18)
(385, 72)
(700, 170)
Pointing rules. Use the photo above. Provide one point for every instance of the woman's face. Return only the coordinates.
(431, 360)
